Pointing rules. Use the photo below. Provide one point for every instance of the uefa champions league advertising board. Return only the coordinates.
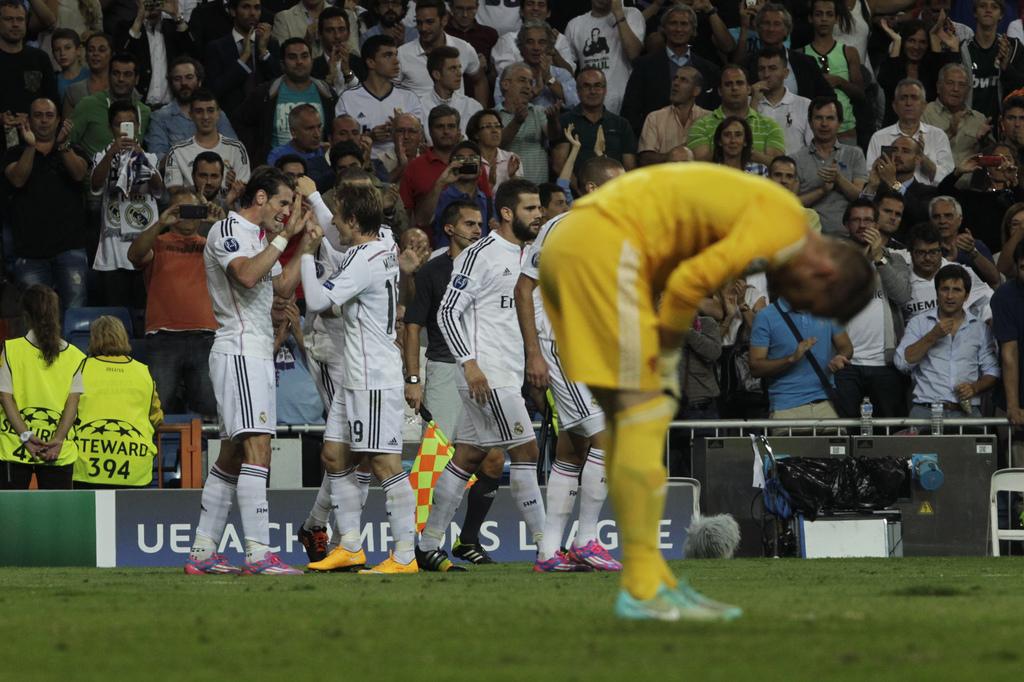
(156, 528)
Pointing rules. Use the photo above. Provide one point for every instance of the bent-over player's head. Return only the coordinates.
(517, 205)
(360, 210)
(596, 171)
(267, 199)
(827, 278)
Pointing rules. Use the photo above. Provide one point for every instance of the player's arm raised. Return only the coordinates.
(460, 295)
(250, 270)
(338, 290)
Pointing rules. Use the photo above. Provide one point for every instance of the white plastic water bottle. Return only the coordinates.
(867, 411)
(937, 419)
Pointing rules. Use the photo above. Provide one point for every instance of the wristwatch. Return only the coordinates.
(882, 260)
(552, 80)
(412, 379)
(26, 436)
(896, 186)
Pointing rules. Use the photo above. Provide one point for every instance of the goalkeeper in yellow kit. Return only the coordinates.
(621, 277)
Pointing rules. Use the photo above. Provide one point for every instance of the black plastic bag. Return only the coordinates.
(809, 482)
(816, 484)
(867, 483)
(881, 481)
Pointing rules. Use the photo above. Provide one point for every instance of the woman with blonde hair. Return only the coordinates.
(118, 414)
(40, 386)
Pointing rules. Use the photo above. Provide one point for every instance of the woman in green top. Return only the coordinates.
(839, 63)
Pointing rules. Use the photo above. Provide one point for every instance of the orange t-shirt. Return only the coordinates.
(177, 297)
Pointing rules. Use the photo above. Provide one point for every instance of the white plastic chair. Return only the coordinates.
(1003, 480)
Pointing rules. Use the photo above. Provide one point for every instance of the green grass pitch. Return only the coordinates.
(898, 619)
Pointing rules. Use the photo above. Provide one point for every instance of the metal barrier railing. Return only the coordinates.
(740, 427)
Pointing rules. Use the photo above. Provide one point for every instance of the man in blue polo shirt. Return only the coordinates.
(794, 389)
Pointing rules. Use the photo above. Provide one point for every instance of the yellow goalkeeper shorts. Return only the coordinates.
(597, 294)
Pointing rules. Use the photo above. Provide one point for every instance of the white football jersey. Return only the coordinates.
(478, 314)
(366, 289)
(243, 314)
(531, 268)
(325, 334)
(370, 112)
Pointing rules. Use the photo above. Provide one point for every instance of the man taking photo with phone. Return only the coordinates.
(461, 178)
(179, 315)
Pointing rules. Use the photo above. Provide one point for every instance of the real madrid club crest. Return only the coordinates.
(518, 429)
(263, 417)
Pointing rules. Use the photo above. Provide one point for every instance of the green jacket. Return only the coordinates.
(91, 129)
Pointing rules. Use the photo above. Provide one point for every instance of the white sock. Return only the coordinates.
(321, 510)
(348, 511)
(252, 503)
(593, 491)
(213, 516)
(526, 493)
(363, 478)
(562, 485)
(448, 491)
(400, 503)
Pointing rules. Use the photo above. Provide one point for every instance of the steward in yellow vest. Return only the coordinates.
(116, 423)
(40, 392)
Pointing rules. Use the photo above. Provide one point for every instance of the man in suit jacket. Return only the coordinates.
(239, 62)
(156, 40)
(649, 85)
(774, 24)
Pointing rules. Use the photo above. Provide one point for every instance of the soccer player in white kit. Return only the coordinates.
(478, 320)
(581, 441)
(367, 420)
(242, 274)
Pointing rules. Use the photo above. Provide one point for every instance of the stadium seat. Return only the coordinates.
(1009, 480)
(78, 320)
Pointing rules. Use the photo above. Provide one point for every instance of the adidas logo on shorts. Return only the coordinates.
(393, 441)
(506, 273)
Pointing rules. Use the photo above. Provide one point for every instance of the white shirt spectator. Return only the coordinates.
(936, 148)
(243, 314)
(371, 111)
(466, 106)
(181, 156)
(922, 296)
(596, 43)
(414, 64)
(502, 161)
(791, 115)
(503, 17)
(506, 51)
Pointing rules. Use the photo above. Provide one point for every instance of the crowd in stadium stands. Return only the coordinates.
(899, 125)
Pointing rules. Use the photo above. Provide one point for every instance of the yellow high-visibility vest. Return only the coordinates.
(40, 392)
(115, 435)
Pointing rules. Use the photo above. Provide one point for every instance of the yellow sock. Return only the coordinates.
(636, 484)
